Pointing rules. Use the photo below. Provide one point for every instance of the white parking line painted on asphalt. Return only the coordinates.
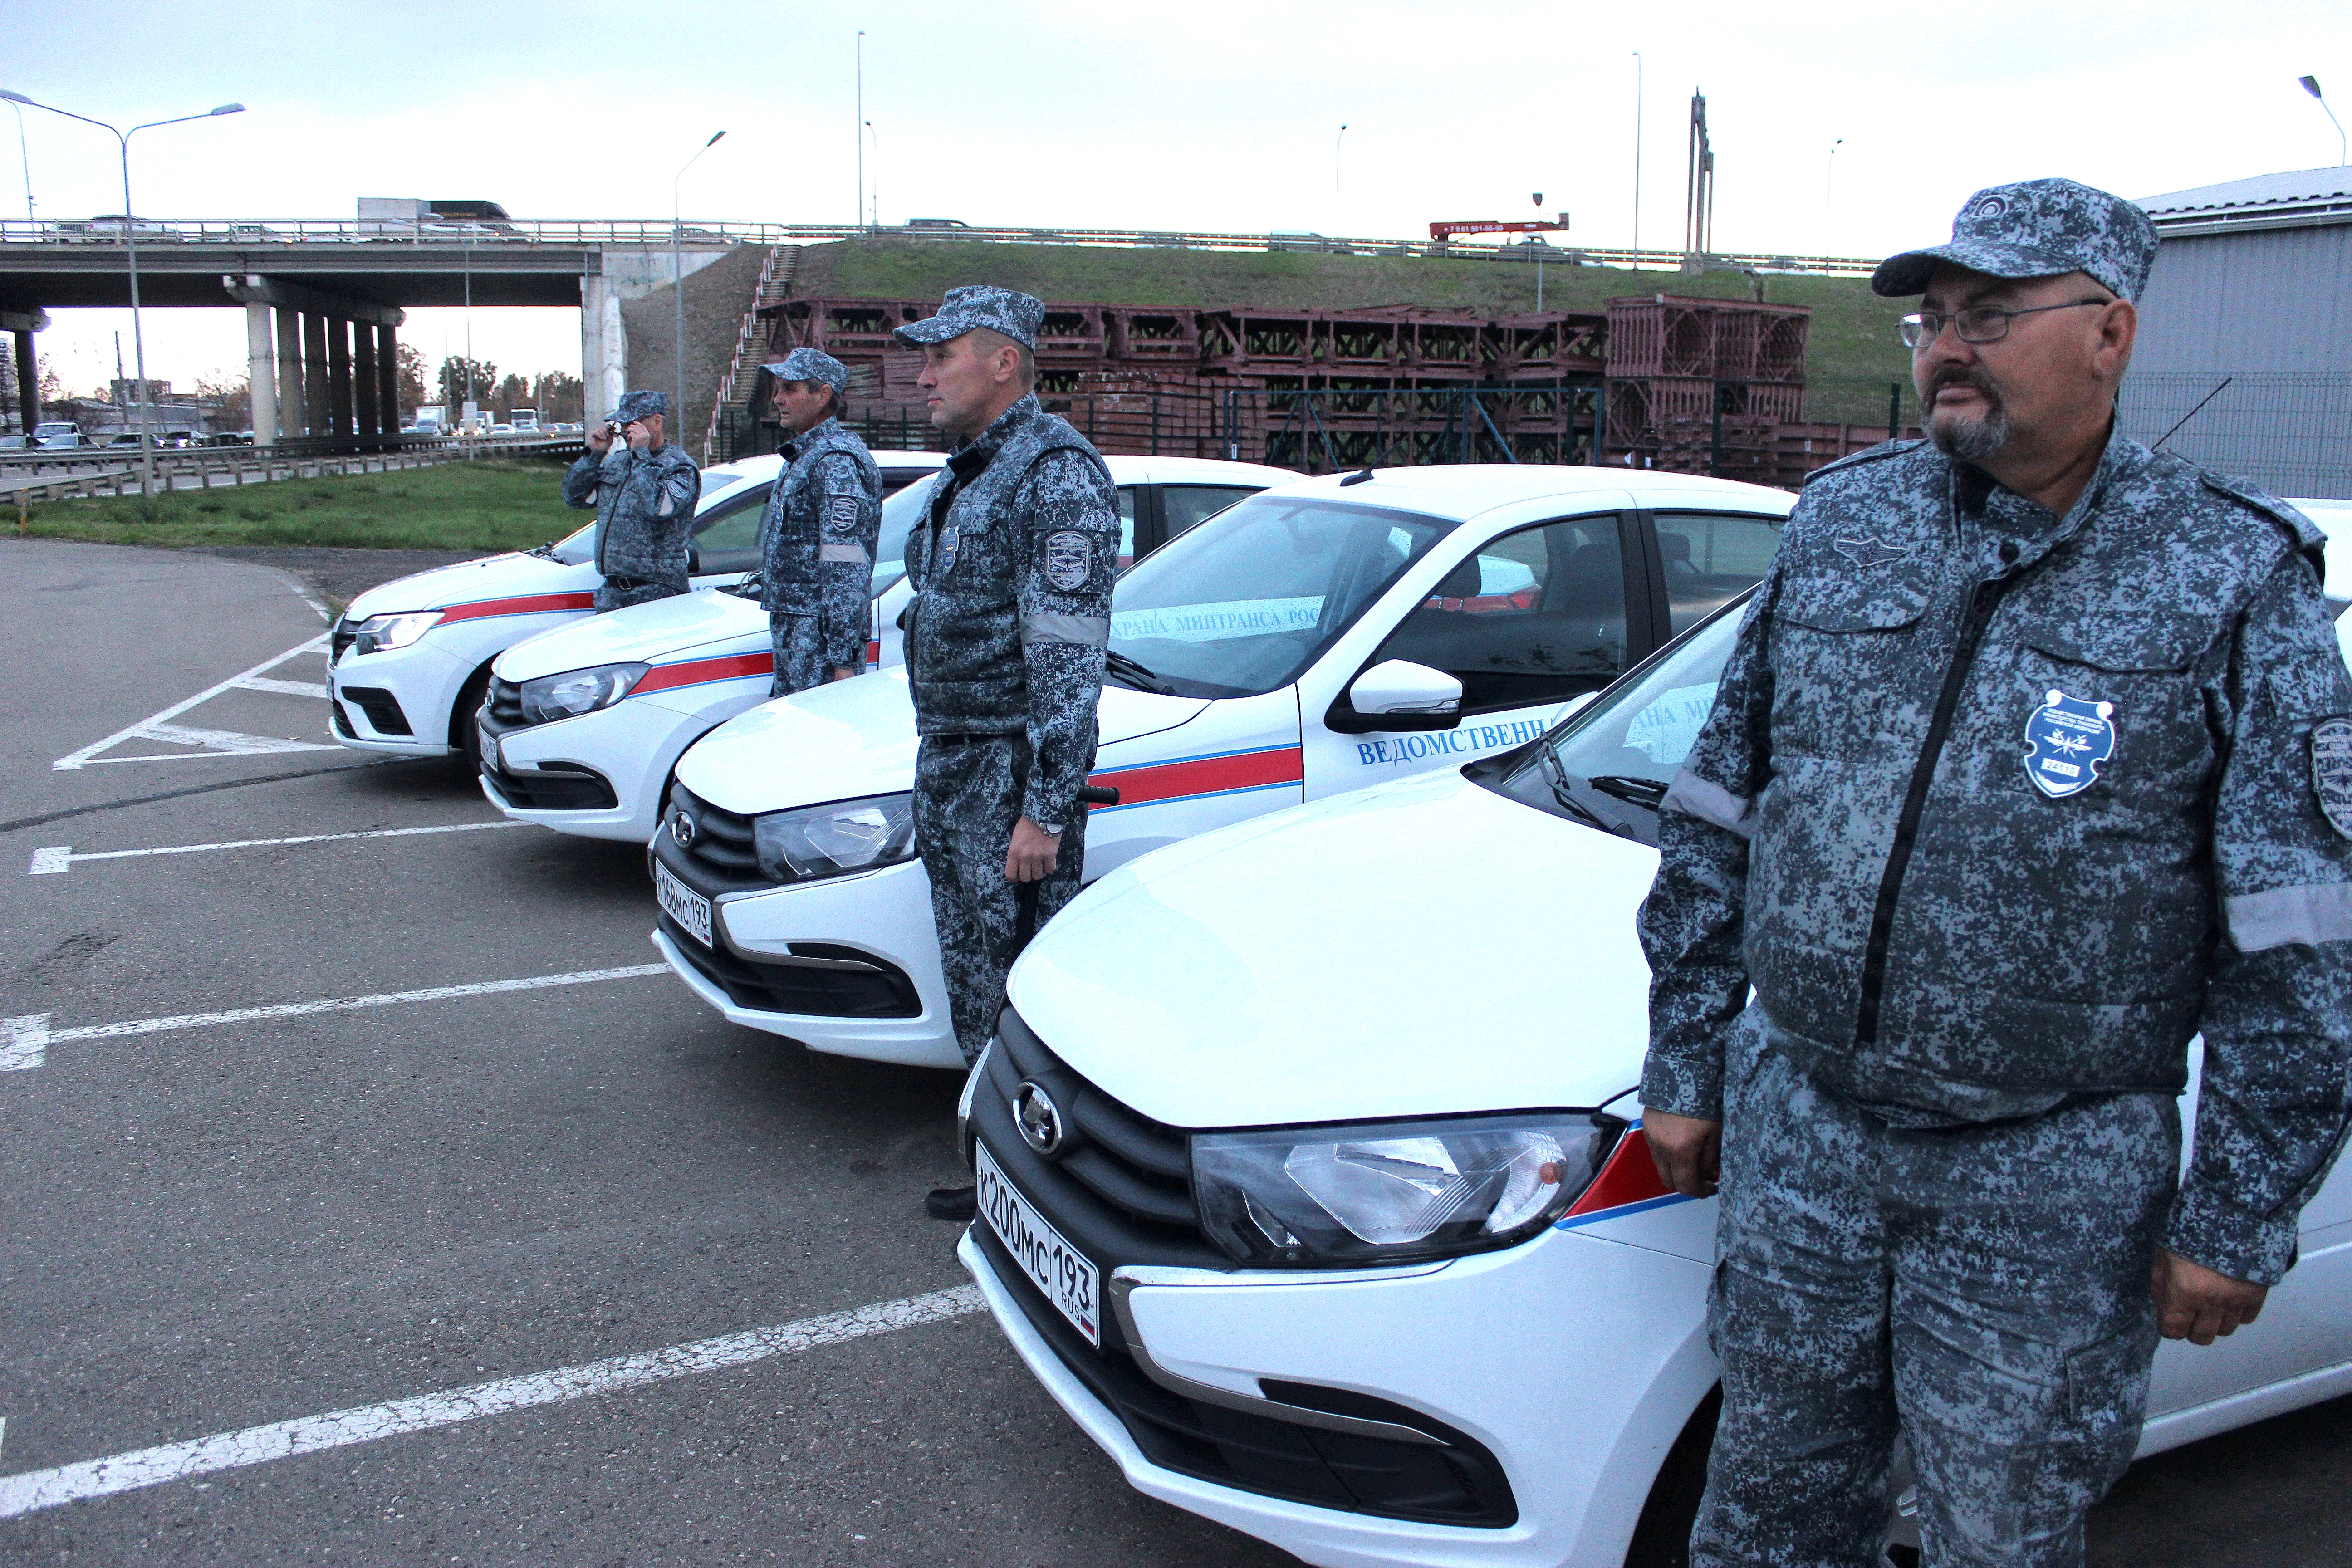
(218, 742)
(368, 1424)
(30, 1036)
(283, 688)
(59, 859)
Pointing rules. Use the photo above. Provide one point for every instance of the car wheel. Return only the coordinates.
(1662, 1536)
(464, 735)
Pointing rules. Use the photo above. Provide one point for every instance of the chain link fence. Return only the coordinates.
(2289, 432)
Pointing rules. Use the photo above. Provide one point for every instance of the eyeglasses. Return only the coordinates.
(1977, 324)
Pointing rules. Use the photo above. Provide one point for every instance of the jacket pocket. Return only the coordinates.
(2120, 642)
(1877, 601)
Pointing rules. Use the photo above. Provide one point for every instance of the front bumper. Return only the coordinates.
(885, 913)
(628, 749)
(415, 686)
(1572, 1362)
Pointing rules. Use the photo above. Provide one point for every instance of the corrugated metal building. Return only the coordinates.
(2245, 348)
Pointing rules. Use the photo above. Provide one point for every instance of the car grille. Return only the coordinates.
(506, 704)
(723, 840)
(343, 722)
(381, 707)
(1134, 1166)
(863, 985)
(558, 786)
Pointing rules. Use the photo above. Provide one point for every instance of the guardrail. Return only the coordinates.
(229, 467)
(575, 232)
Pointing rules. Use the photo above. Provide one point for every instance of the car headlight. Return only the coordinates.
(379, 634)
(578, 691)
(1395, 1192)
(827, 840)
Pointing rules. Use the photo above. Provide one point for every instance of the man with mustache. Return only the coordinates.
(2033, 761)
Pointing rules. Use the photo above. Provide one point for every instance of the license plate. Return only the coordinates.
(682, 904)
(491, 758)
(1065, 1275)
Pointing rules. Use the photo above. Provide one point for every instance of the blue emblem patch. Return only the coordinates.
(2331, 771)
(2066, 740)
(1068, 560)
(944, 562)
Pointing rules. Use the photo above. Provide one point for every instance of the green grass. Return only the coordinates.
(508, 504)
(1853, 350)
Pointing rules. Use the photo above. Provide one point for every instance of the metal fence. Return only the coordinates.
(262, 234)
(2290, 432)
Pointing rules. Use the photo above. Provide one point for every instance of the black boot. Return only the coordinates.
(961, 1204)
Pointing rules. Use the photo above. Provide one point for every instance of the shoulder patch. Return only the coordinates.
(1877, 454)
(840, 513)
(2331, 772)
(1069, 560)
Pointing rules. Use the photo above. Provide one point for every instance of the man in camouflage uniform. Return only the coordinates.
(2032, 762)
(817, 540)
(644, 492)
(1012, 567)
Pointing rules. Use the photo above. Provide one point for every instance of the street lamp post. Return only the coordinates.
(131, 246)
(25, 158)
(1637, 160)
(678, 273)
(858, 218)
(2311, 85)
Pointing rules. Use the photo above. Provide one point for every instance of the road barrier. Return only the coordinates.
(233, 466)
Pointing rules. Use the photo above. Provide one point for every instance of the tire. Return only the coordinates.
(1662, 1537)
(464, 735)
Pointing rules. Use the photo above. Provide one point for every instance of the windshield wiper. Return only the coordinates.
(1631, 788)
(1564, 792)
(544, 551)
(1131, 673)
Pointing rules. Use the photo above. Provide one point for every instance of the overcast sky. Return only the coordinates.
(1214, 115)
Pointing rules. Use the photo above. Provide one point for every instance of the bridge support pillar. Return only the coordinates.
(293, 404)
(262, 373)
(364, 385)
(339, 377)
(604, 347)
(28, 382)
(387, 378)
(318, 415)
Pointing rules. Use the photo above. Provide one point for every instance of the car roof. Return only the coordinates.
(1466, 491)
(1178, 469)
(767, 465)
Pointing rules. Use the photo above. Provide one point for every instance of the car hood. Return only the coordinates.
(1421, 948)
(510, 577)
(851, 738)
(658, 633)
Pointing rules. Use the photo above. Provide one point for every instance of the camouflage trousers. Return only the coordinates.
(1983, 1287)
(798, 642)
(611, 596)
(967, 797)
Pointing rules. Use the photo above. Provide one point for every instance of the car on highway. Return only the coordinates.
(57, 432)
(1308, 641)
(585, 724)
(409, 661)
(1313, 1187)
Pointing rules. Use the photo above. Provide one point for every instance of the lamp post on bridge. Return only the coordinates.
(677, 278)
(131, 246)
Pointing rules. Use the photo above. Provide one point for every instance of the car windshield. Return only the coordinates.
(1244, 602)
(574, 548)
(1608, 764)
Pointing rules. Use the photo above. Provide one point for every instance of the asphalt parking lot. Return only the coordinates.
(549, 1265)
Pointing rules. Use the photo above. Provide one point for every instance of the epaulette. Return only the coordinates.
(1879, 453)
(2310, 538)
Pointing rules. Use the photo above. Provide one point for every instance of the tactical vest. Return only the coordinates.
(792, 532)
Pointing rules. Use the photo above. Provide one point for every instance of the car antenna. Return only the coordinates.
(1358, 478)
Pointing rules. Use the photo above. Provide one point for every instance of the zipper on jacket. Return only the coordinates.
(1973, 624)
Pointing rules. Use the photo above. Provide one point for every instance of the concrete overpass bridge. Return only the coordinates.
(324, 301)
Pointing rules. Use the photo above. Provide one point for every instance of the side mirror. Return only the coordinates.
(1396, 694)
(693, 558)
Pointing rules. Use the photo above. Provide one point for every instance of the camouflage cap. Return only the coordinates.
(639, 405)
(2036, 228)
(809, 365)
(1016, 315)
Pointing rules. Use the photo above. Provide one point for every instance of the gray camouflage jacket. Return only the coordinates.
(644, 511)
(1996, 807)
(817, 540)
(1012, 567)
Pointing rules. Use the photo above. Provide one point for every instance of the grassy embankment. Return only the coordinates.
(1853, 351)
(481, 506)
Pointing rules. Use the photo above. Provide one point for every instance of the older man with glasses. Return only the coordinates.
(2033, 762)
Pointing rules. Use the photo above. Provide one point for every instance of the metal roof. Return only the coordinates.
(2292, 199)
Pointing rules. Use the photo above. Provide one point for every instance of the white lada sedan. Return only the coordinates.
(1312, 1182)
(584, 723)
(1311, 640)
(411, 659)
